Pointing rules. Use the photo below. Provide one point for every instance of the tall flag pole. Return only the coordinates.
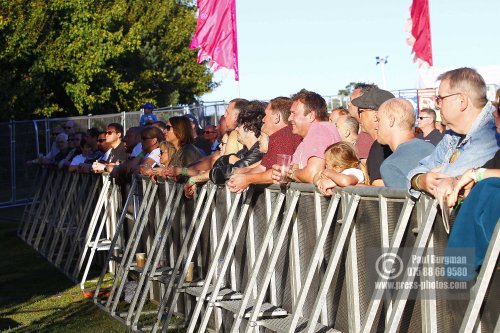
(216, 35)
(420, 28)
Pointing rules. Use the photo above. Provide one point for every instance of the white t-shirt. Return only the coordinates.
(155, 156)
(356, 173)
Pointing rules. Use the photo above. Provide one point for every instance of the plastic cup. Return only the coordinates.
(189, 274)
(283, 160)
(140, 259)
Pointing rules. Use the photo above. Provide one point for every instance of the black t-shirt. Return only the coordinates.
(378, 154)
(203, 144)
(434, 137)
(494, 163)
(117, 154)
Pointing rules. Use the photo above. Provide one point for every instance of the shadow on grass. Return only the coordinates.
(36, 297)
(81, 316)
(26, 275)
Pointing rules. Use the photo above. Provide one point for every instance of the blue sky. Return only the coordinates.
(323, 45)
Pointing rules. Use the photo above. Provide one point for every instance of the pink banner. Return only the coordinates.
(216, 34)
(420, 28)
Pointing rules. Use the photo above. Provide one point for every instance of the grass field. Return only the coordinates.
(35, 296)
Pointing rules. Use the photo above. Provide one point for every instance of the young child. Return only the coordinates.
(148, 117)
(342, 169)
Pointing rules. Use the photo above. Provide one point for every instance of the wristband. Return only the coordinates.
(191, 181)
(417, 185)
(184, 171)
(479, 174)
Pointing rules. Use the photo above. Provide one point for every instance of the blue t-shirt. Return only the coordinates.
(147, 119)
(395, 168)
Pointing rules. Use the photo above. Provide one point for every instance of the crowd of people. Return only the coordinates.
(375, 141)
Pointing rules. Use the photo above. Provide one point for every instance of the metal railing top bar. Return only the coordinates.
(375, 191)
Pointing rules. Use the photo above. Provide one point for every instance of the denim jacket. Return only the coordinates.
(478, 146)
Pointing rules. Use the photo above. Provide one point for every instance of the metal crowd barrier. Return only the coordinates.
(268, 259)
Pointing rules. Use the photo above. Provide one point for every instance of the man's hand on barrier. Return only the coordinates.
(98, 167)
(465, 183)
(189, 190)
(445, 189)
(276, 175)
(238, 183)
(429, 181)
(146, 170)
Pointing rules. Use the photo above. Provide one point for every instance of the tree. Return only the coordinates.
(60, 57)
(348, 89)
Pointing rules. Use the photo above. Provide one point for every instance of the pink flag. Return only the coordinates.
(216, 34)
(420, 28)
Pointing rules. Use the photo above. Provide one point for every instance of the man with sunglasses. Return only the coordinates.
(116, 152)
(427, 123)
(471, 139)
(210, 134)
(368, 104)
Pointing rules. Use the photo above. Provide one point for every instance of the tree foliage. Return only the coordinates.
(347, 90)
(60, 57)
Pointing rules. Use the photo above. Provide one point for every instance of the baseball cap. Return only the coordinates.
(372, 99)
(193, 119)
(147, 106)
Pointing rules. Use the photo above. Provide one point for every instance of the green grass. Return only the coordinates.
(35, 296)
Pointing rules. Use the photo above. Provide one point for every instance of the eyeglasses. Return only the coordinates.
(439, 99)
(360, 111)
(422, 118)
(209, 132)
(168, 127)
(101, 140)
(110, 132)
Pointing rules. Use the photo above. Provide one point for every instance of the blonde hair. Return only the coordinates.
(343, 155)
(167, 147)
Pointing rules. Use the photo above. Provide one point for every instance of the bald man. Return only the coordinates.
(395, 126)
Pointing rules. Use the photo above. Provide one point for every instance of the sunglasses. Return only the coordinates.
(101, 140)
(55, 134)
(68, 127)
(110, 132)
(169, 127)
(209, 132)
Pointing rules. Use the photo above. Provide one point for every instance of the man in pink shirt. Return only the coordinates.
(309, 119)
